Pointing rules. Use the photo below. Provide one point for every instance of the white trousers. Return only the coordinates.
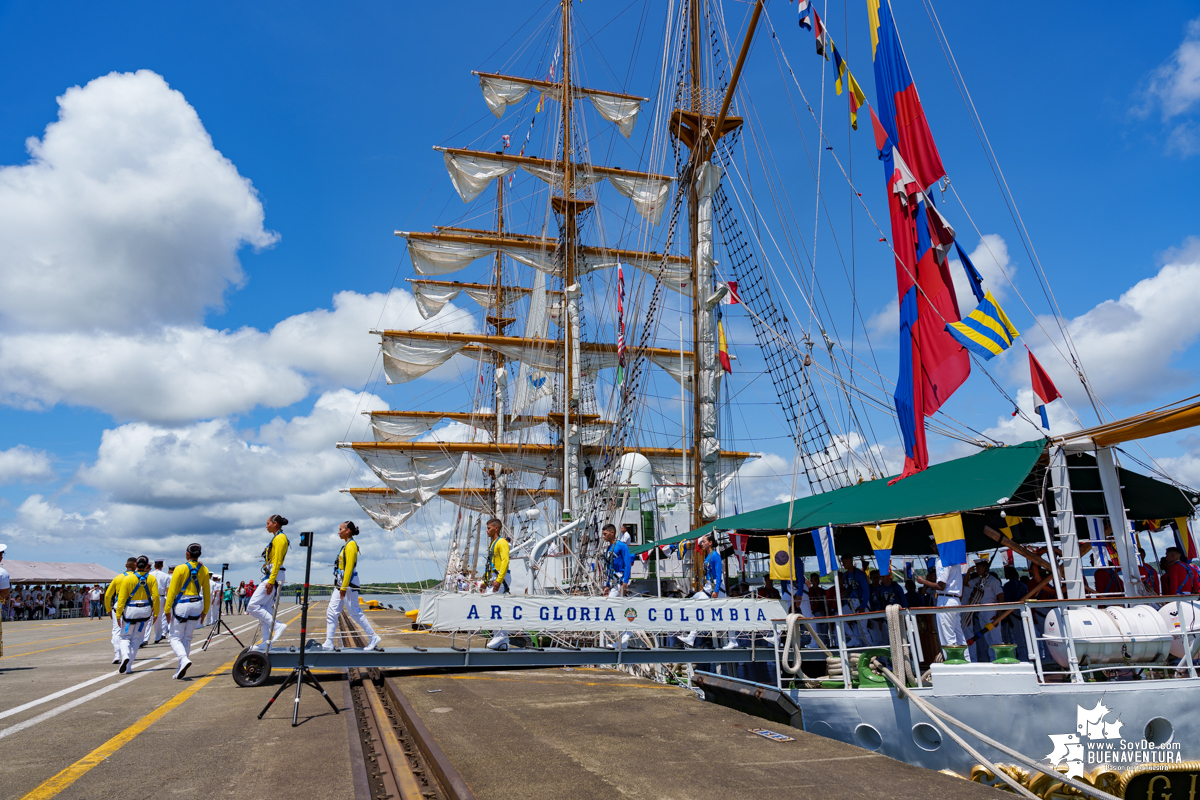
(132, 635)
(498, 636)
(162, 623)
(353, 609)
(261, 605)
(855, 632)
(949, 626)
(116, 634)
(180, 637)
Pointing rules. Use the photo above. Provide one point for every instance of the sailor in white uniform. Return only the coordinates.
(188, 600)
(162, 622)
(949, 586)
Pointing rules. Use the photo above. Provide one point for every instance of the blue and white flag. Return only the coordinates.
(1098, 540)
(823, 543)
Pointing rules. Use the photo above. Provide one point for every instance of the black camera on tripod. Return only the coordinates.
(306, 539)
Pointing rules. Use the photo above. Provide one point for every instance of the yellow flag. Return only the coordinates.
(783, 565)
(857, 100)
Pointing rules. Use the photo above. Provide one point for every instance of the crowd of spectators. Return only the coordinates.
(53, 601)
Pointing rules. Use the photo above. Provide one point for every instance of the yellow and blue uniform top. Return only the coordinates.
(183, 584)
(345, 570)
(273, 556)
(135, 586)
(497, 563)
(110, 594)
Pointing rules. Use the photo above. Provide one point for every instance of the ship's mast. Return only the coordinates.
(499, 323)
(700, 132)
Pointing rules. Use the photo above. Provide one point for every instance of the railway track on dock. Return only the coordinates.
(401, 758)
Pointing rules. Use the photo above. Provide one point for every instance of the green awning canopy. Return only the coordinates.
(976, 484)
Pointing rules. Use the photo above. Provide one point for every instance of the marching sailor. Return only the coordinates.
(162, 580)
(263, 601)
(495, 575)
(619, 566)
(110, 606)
(188, 600)
(345, 590)
(136, 607)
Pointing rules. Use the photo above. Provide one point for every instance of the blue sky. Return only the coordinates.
(330, 113)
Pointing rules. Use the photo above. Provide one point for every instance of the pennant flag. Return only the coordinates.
(821, 35)
(881, 135)
(896, 98)
(723, 348)
(986, 331)
(972, 274)
(804, 8)
(881, 537)
(732, 299)
(782, 561)
(1183, 537)
(620, 325)
(1043, 387)
(948, 535)
(823, 543)
(739, 541)
(1098, 539)
(839, 69)
(857, 100)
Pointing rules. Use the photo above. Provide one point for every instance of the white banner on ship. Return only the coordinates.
(448, 611)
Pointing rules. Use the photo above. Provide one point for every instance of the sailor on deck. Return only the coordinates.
(949, 587)
(345, 591)
(110, 606)
(495, 575)
(984, 589)
(161, 580)
(856, 599)
(714, 580)
(136, 607)
(265, 596)
(618, 570)
(188, 599)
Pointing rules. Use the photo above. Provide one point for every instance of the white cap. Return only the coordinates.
(3, 547)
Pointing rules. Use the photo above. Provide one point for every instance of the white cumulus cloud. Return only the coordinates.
(1129, 346)
(125, 216)
(23, 464)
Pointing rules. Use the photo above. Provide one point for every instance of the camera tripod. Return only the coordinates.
(300, 673)
(215, 630)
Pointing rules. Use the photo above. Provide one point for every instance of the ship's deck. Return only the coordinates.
(72, 727)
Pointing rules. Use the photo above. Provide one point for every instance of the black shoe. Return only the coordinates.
(124, 664)
(116, 661)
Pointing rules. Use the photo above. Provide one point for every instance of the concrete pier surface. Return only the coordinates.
(71, 727)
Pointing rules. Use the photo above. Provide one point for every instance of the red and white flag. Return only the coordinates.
(620, 323)
(733, 298)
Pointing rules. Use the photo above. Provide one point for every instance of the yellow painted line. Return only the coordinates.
(54, 639)
(68, 776)
(60, 647)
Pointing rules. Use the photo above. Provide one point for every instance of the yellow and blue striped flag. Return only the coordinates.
(986, 331)
(949, 538)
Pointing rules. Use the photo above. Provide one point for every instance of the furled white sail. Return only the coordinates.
(500, 93)
(620, 111)
(531, 388)
(481, 501)
(432, 298)
(407, 357)
(388, 510)
(472, 174)
(399, 427)
(649, 195)
(436, 257)
(414, 478)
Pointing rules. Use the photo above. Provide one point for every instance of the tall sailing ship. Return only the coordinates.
(569, 425)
